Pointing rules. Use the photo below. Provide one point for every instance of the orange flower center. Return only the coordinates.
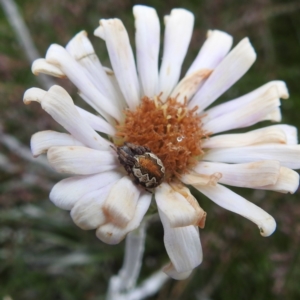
(172, 132)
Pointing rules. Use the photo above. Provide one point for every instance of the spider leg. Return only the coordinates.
(126, 159)
(136, 149)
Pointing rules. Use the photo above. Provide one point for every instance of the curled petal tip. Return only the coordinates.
(42, 66)
(170, 270)
(268, 227)
(99, 32)
(33, 94)
(53, 52)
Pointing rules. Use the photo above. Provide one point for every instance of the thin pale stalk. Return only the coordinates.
(123, 285)
(23, 37)
(22, 151)
(134, 251)
(148, 287)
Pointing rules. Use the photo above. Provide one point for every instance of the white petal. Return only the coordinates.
(99, 32)
(170, 270)
(245, 116)
(68, 191)
(291, 133)
(121, 202)
(41, 141)
(147, 38)
(229, 71)
(112, 77)
(33, 94)
(275, 88)
(237, 204)
(59, 56)
(90, 103)
(87, 212)
(112, 234)
(182, 244)
(122, 60)
(81, 160)
(40, 65)
(186, 193)
(288, 182)
(82, 50)
(175, 207)
(58, 103)
(247, 110)
(193, 178)
(289, 156)
(274, 115)
(96, 122)
(249, 175)
(189, 85)
(276, 134)
(214, 49)
(178, 32)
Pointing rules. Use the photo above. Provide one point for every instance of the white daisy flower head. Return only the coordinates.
(161, 133)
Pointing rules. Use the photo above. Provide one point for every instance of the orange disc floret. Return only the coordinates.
(172, 132)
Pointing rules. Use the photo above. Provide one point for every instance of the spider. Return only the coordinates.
(138, 161)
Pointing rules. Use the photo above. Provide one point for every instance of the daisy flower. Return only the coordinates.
(153, 134)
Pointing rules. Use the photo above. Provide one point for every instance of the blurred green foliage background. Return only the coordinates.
(43, 255)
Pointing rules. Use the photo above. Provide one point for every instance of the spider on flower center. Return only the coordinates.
(146, 168)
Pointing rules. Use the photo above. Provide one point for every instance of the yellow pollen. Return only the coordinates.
(168, 128)
(164, 109)
(155, 99)
(172, 131)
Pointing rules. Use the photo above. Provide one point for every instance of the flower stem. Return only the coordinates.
(123, 285)
(23, 37)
